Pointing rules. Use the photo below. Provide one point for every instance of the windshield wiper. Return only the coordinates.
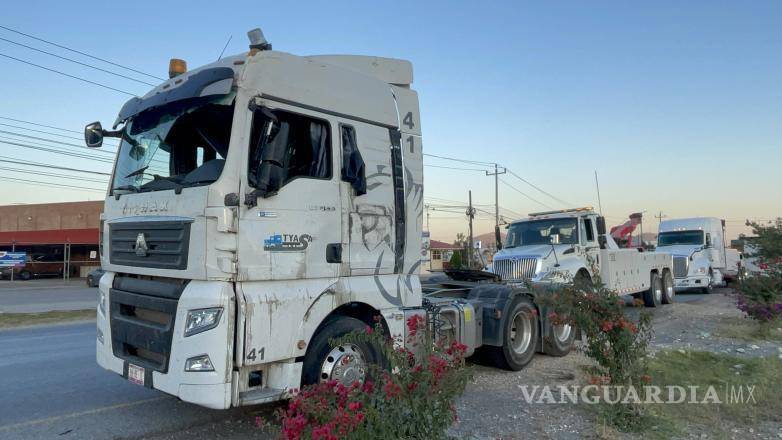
(126, 188)
(138, 171)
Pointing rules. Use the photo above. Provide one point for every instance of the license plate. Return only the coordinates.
(136, 374)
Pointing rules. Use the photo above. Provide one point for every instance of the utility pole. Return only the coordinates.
(496, 175)
(660, 218)
(470, 244)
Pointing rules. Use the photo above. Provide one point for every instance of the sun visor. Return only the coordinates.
(206, 82)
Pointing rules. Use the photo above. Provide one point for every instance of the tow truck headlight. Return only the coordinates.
(199, 363)
(202, 320)
(701, 270)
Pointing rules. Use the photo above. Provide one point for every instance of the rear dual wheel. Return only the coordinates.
(668, 288)
(520, 333)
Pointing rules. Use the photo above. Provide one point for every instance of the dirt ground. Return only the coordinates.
(492, 407)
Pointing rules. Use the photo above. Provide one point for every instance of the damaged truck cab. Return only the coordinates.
(263, 206)
(255, 202)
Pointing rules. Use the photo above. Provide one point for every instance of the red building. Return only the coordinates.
(63, 235)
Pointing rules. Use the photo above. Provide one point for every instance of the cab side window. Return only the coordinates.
(285, 146)
(353, 169)
(588, 232)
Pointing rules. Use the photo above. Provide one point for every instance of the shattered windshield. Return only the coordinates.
(175, 146)
(540, 232)
(680, 237)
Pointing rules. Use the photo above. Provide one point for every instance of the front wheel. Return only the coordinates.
(345, 363)
(25, 275)
(668, 288)
(520, 336)
(654, 296)
(709, 289)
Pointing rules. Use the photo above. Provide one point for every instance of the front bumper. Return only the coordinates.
(210, 389)
(691, 282)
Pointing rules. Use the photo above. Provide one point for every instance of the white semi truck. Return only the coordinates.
(571, 245)
(698, 248)
(265, 204)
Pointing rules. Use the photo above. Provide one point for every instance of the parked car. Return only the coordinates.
(37, 265)
(93, 278)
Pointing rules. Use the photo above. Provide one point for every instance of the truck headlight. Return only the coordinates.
(202, 320)
(701, 270)
(199, 363)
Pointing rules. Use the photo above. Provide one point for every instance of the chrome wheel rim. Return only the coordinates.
(562, 332)
(658, 292)
(345, 364)
(670, 290)
(520, 332)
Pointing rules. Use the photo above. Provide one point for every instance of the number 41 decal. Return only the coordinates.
(252, 355)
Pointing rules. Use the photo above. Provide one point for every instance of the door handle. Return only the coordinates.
(334, 253)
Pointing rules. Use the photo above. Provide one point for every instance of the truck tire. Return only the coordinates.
(709, 289)
(25, 275)
(560, 339)
(653, 297)
(668, 288)
(344, 363)
(520, 336)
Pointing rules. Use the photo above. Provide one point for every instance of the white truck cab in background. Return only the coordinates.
(571, 245)
(698, 248)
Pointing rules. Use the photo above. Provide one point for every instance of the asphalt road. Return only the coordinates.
(52, 388)
(45, 295)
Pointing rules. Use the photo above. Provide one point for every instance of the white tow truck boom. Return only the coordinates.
(263, 205)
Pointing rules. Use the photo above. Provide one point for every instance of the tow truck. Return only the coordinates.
(571, 245)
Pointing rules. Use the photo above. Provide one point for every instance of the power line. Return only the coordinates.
(455, 168)
(41, 131)
(77, 62)
(80, 147)
(67, 74)
(40, 125)
(62, 176)
(525, 195)
(50, 184)
(52, 150)
(539, 189)
(48, 126)
(474, 162)
(80, 52)
(46, 165)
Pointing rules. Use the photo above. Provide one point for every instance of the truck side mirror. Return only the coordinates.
(497, 237)
(601, 225)
(93, 135)
(270, 172)
(554, 238)
(708, 240)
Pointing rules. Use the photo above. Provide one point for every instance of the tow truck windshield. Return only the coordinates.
(540, 232)
(680, 237)
(179, 145)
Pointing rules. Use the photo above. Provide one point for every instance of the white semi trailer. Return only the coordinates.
(261, 206)
(571, 245)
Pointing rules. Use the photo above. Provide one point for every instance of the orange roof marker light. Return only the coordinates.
(176, 67)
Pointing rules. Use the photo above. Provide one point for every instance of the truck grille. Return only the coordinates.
(155, 244)
(142, 316)
(680, 266)
(516, 269)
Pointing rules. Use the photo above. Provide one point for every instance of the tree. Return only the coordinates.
(456, 260)
(769, 239)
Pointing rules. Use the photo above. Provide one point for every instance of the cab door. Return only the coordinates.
(588, 240)
(294, 231)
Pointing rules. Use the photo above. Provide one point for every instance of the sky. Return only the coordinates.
(676, 105)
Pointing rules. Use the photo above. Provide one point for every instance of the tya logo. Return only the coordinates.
(287, 242)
